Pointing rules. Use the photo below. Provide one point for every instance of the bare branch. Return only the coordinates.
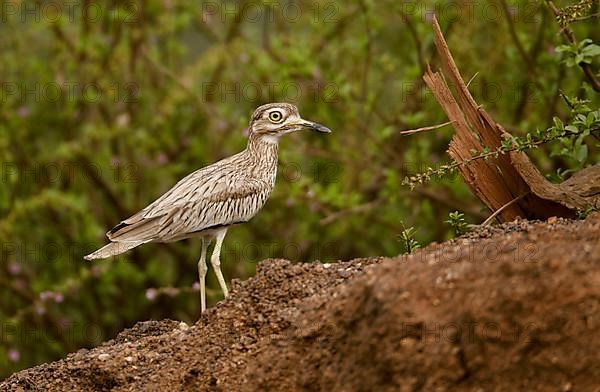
(424, 129)
(499, 210)
(353, 210)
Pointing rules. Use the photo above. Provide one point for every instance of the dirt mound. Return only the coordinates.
(510, 308)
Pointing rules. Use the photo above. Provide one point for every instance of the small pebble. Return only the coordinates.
(103, 357)
(408, 342)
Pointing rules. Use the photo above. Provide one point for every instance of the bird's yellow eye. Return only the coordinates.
(276, 116)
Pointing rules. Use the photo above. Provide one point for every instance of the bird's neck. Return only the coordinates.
(262, 151)
(263, 145)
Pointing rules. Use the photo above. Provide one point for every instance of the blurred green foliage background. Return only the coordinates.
(105, 105)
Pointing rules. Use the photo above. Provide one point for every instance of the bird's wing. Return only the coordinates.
(206, 198)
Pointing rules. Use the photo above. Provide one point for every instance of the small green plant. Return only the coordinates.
(407, 236)
(582, 214)
(458, 223)
(584, 122)
(579, 52)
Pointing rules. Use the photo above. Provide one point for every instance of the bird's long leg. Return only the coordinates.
(202, 269)
(215, 260)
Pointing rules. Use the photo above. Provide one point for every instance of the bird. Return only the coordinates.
(207, 202)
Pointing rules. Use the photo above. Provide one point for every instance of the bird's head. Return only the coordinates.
(276, 119)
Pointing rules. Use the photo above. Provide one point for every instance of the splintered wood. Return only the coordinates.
(509, 185)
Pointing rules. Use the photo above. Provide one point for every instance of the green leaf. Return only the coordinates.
(558, 123)
(581, 153)
(572, 129)
(591, 50)
(562, 48)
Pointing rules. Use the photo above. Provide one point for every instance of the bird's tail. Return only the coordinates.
(113, 249)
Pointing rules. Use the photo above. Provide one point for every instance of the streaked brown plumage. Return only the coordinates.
(206, 202)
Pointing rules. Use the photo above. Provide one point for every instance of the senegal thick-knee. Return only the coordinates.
(208, 201)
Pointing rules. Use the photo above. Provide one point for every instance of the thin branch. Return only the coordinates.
(499, 210)
(586, 17)
(416, 38)
(472, 78)
(515, 37)
(525, 90)
(368, 51)
(423, 129)
(420, 178)
(353, 210)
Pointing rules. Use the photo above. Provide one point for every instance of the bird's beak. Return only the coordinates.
(304, 124)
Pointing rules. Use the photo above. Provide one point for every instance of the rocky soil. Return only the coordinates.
(510, 308)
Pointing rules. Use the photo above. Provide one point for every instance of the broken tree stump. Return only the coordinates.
(509, 184)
